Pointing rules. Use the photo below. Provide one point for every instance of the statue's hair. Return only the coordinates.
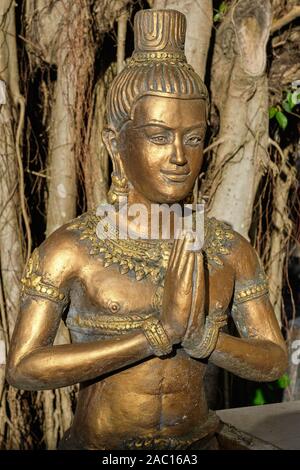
(158, 66)
(163, 78)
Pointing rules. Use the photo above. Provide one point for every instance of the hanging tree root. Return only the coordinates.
(292, 15)
(285, 179)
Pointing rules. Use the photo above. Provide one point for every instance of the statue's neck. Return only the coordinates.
(148, 219)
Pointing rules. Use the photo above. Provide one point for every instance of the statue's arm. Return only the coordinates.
(260, 353)
(34, 363)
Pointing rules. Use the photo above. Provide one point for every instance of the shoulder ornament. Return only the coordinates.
(34, 284)
(218, 241)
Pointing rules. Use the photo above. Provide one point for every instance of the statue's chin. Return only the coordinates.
(171, 198)
(167, 199)
(170, 193)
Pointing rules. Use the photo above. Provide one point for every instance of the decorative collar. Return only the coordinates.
(148, 257)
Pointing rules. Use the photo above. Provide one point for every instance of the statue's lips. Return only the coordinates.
(175, 176)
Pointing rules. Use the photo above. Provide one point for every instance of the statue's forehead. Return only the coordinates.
(173, 111)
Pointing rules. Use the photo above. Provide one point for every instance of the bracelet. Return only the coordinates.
(205, 347)
(157, 299)
(157, 337)
(118, 325)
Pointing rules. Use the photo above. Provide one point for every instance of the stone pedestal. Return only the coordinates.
(265, 427)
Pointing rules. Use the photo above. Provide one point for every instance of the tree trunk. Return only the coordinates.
(240, 94)
(96, 175)
(199, 25)
(11, 237)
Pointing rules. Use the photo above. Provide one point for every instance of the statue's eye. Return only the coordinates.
(193, 141)
(159, 139)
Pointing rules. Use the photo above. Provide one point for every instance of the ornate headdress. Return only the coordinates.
(158, 65)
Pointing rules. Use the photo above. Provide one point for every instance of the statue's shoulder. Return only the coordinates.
(223, 245)
(85, 224)
(58, 260)
(66, 236)
(61, 252)
(219, 240)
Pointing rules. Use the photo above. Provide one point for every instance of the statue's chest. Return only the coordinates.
(123, 280)
(103, 297)
(115, 294)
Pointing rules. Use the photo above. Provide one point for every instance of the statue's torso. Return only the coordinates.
(158, 397)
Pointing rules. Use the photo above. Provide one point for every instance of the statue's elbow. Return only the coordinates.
(12, 376)
(17, 378)
(279, 364)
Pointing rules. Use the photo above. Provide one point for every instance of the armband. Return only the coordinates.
(254, 289)
(33, 283)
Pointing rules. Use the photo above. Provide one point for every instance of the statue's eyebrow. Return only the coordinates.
(200, 125)
(154, 122)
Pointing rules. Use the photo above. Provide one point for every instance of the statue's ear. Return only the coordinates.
(109, 137)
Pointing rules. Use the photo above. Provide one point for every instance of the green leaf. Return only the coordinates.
(289, 98)
(281, 119)
(223, 8)
(295, 98)
(220, 12)
(272, 112)
(259, 398)
(284, 381)
(286, 105)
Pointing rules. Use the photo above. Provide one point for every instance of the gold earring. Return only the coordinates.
(119, 188)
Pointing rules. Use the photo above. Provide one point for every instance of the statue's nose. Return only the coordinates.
(178, 154)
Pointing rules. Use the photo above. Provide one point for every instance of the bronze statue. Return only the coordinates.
(146, 315)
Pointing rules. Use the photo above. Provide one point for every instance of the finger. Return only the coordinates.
(173, 254)
(178, 252)
(187, 273)
(184, 253)
(197, 315)
(190, 238)
(200, 270)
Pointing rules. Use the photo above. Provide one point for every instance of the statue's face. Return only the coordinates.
(162, 147)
